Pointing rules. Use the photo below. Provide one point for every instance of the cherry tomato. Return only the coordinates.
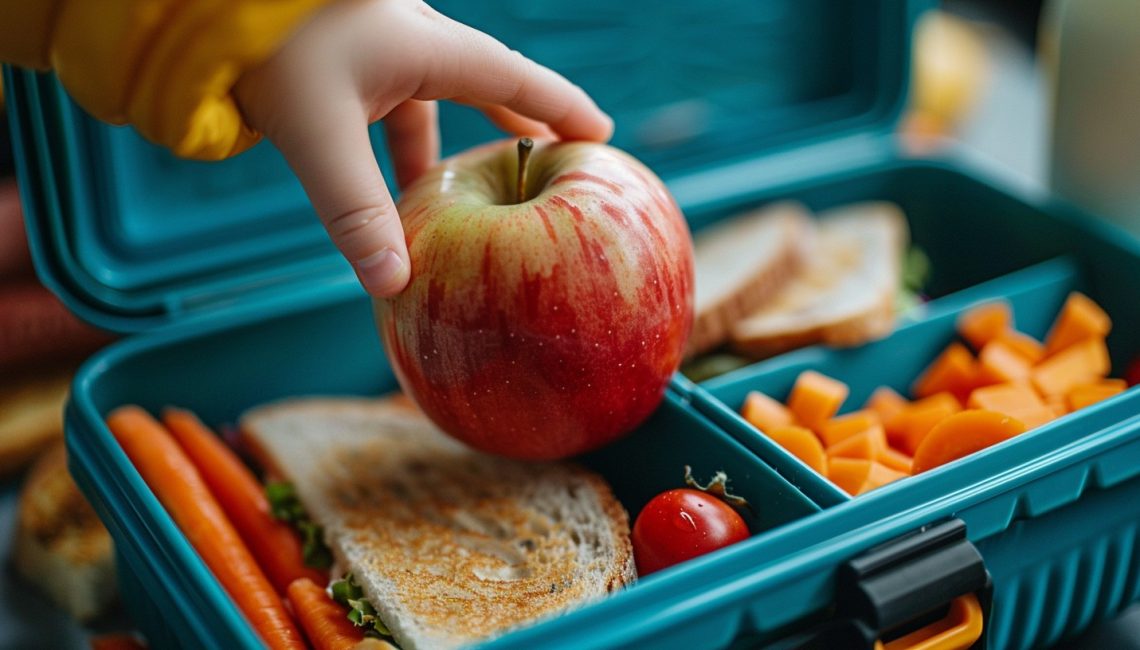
(681, 524)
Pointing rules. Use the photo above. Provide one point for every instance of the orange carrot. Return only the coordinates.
(998, 364)
(878, 475)
(1059, 405)
(981, 324)
(765, 413)
(1015, 400)
(857, 476)
(1089, 394)
(954, 372)
(816, 398)
(324, 620)
(838, 428)
(887, 403)
(919, 418)
(1079, 363)
(274, 543)
(848, 473)
(894, 459)
(867, 445)
(1028, 347)
(1080, 319)
(802, 444)
(179, 487)
(963, 434)
(116, 642)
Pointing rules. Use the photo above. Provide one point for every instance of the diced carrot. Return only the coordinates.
(887, 403)
(765, 413)
(838, 428)
(919, 418)
(324, 620)
(849, 473)
(895, 460)
(857, 476)
(983, 323)
(1059, 405)
(877, 476)
(867, 445)
(1079, 363)
(176, 483)
(275, 545)
(963, 434)
(802, 444)
(1028, 347)
(816, 398)
(954, 371)
(1015, 400)
(1089, 394)
(1080, 319)
(1004, 398)
(998, 364)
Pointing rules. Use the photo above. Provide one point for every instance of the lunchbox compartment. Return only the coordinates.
(1035, 295)
(219, 370)
(972, 230)
(984, 243)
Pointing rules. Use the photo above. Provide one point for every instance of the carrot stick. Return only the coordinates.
(274, 543)
(179, 487)
(324, 620)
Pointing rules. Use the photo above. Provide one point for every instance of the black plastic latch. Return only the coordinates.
(913, 575)
(900, 586)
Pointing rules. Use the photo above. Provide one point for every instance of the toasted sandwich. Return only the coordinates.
(451, 546)
(740, 264)
(844, 295)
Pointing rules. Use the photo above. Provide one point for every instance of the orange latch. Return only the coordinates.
(959, 630)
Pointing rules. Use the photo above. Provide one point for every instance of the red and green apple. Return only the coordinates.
(549, 300)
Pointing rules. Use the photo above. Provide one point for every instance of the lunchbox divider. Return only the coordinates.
(775, 501)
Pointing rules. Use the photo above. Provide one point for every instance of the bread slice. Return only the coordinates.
(845, 294)
(61, 546)
(739, 264)
(31, 417)
(450, 545)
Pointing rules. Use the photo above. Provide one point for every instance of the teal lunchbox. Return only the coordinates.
(233, 296)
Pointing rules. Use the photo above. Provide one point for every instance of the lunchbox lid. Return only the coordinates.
(132, 238)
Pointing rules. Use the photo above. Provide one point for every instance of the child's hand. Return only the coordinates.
(362, 60)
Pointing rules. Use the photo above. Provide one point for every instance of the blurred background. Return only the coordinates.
(982, 87)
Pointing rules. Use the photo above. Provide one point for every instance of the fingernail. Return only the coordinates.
(383, 274)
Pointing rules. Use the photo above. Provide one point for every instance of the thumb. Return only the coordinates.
(334, 161)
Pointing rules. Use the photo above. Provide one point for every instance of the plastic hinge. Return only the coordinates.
(899, 586)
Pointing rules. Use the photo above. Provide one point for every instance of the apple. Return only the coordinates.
(549, 302)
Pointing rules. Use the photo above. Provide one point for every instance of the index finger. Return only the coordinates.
(478, 69)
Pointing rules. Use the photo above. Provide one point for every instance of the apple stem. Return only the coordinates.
(525, 146)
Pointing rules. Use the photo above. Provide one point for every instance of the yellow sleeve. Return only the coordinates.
(165, 66)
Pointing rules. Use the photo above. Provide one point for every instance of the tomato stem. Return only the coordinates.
(717, 487)
(525, 147)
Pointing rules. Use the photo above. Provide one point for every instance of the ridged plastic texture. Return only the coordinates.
(134, 238)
